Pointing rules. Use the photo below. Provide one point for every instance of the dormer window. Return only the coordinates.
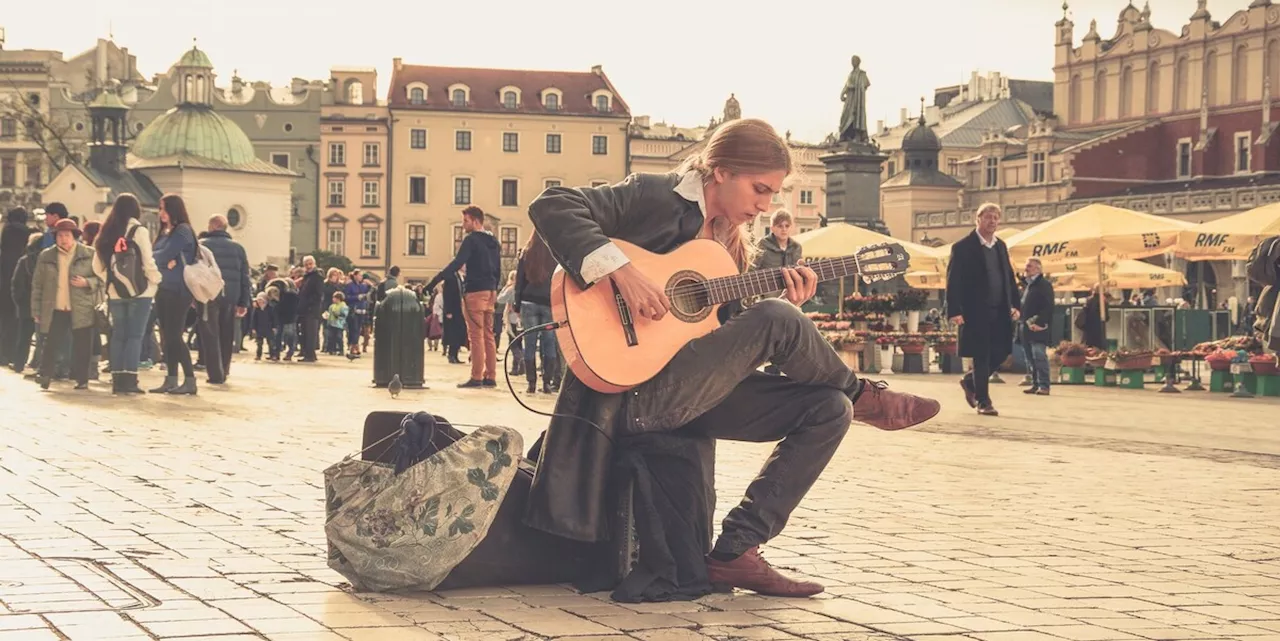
(509, 100)
(602, 103)
(458, 97)
(552, 99)
(417, 96)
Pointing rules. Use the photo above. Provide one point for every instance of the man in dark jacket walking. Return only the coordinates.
(20, 289)
(1033, 328)
(13, 245)
(482, 255)
(310, 307)
(218, 318)
(982, 299)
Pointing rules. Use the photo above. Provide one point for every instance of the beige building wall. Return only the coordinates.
(355, 153)
(435, 225)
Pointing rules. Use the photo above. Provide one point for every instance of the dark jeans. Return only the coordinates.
(217, 327)
(712, 387)
(21, 346)
(171, 313)
(998, 349)
(129, 319)
(333, 340)
(60, 325)
(535, 343)
(310, 336)
(355, 325)
(286, 336)
(1037, 364)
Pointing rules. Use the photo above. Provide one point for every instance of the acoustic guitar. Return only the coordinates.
(612, 350)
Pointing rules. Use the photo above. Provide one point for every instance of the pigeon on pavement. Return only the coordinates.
(395, 386)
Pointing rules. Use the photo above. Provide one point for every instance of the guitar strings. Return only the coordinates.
(769, 278)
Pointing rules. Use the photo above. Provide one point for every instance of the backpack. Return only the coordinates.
(203, 278)
(127, 274)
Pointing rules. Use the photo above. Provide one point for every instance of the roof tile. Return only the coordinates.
(485, 85)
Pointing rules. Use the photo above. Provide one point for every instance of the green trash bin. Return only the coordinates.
(399, 335)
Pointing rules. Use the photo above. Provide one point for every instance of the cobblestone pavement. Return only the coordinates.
(1089, 515)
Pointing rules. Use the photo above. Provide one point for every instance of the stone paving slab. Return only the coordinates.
(1091, 515)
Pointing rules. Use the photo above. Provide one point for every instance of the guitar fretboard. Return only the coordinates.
(765, 281)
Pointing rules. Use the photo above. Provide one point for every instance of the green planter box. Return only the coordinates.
(1131, 379)
(1071, 376)
(1104, 377)
(1268, 386)
(1220, 382)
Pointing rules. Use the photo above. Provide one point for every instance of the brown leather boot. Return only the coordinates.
(880, 407)
(751, 572)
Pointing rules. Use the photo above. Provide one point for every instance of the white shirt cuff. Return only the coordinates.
(605, 260)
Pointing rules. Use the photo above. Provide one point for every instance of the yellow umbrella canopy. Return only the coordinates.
(843, 239)
(1230, 238)
(1120, 274)
(1095, 231)
(926, 280)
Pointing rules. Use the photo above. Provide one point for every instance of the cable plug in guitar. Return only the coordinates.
(552, 326)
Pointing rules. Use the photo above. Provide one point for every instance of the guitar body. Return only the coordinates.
(606, 353)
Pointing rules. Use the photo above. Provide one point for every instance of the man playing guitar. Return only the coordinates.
(712, 384)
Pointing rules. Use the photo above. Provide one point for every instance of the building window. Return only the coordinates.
(417, 96)
(1184, 158)
(417, 190)
(337, 239)
(337, 153)
(369, 242)
(552, 102)
(1037, 167)
(509, 100)
(280, 160)
(462, 191)
(553, 143)
(892, 168)
(371, 154)
(337, 193)
(549, 183)
(806, 196)
(234, 218)
(602, 103)
(458, 235)
(8, 128)
(417, 240)
(35, 171)
(953, 167)
(1243, 155)
(418, 139)
(371, 193)
(8, 172)
(993, 173)
(510, 141)
(462, 140)
(459, 97)
(355, 93)
(508, 237)
(600, 145)
(510, 192)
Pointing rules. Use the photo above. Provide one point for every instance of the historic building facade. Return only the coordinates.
(355, 159)
(494, 138)
(660, 147)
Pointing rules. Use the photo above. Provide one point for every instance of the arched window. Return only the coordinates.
(1126, 91)
(1181, 84)
(459, 98)
(1100, 96)
(509, 100)
(1153, 87)
(200, 88)
(1273, 66)
(355, 93)
(602, 103)
(417, 96)
(1240, 83)
(1211, 77)
(1075, 101)
(552, 101)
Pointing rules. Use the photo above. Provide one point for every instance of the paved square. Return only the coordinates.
(1090, 515)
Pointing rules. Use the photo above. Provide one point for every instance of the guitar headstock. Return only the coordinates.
(884, 261)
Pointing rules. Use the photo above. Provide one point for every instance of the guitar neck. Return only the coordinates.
(766, 281)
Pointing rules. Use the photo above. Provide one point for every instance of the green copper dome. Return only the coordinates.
(107, 99)
(195, 58)
(194, 130)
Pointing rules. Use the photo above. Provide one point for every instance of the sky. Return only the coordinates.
(674, 60)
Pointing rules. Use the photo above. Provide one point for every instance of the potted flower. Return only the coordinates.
(911, 344)
(1220, 360)
(1264, 364)
(1071, 354)
(1095, 357)
(911, 301)
(1126, 359)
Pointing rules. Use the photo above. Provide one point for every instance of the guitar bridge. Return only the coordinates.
(624, 312)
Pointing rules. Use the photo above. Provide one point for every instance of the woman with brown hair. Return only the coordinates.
(711, 387)
(123, 242)
(533, 299)
(175, 248)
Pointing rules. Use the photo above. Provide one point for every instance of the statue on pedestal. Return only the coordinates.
(853, 120)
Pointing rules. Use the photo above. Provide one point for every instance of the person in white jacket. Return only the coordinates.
(129, 304)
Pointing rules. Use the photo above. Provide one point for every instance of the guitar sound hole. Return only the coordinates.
(689, 297)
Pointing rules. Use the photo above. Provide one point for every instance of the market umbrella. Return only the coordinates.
(1230, 238)
(1121, 274)
(843, 239)
(1096, 232)
(926, 280)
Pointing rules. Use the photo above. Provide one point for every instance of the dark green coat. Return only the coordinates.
(44, 288)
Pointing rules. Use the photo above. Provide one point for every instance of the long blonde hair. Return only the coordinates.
(743, 146)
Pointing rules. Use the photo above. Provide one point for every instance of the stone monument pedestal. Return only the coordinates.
(853, 185)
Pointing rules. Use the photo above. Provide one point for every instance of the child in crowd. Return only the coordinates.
(263, 327)
(336, 324)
